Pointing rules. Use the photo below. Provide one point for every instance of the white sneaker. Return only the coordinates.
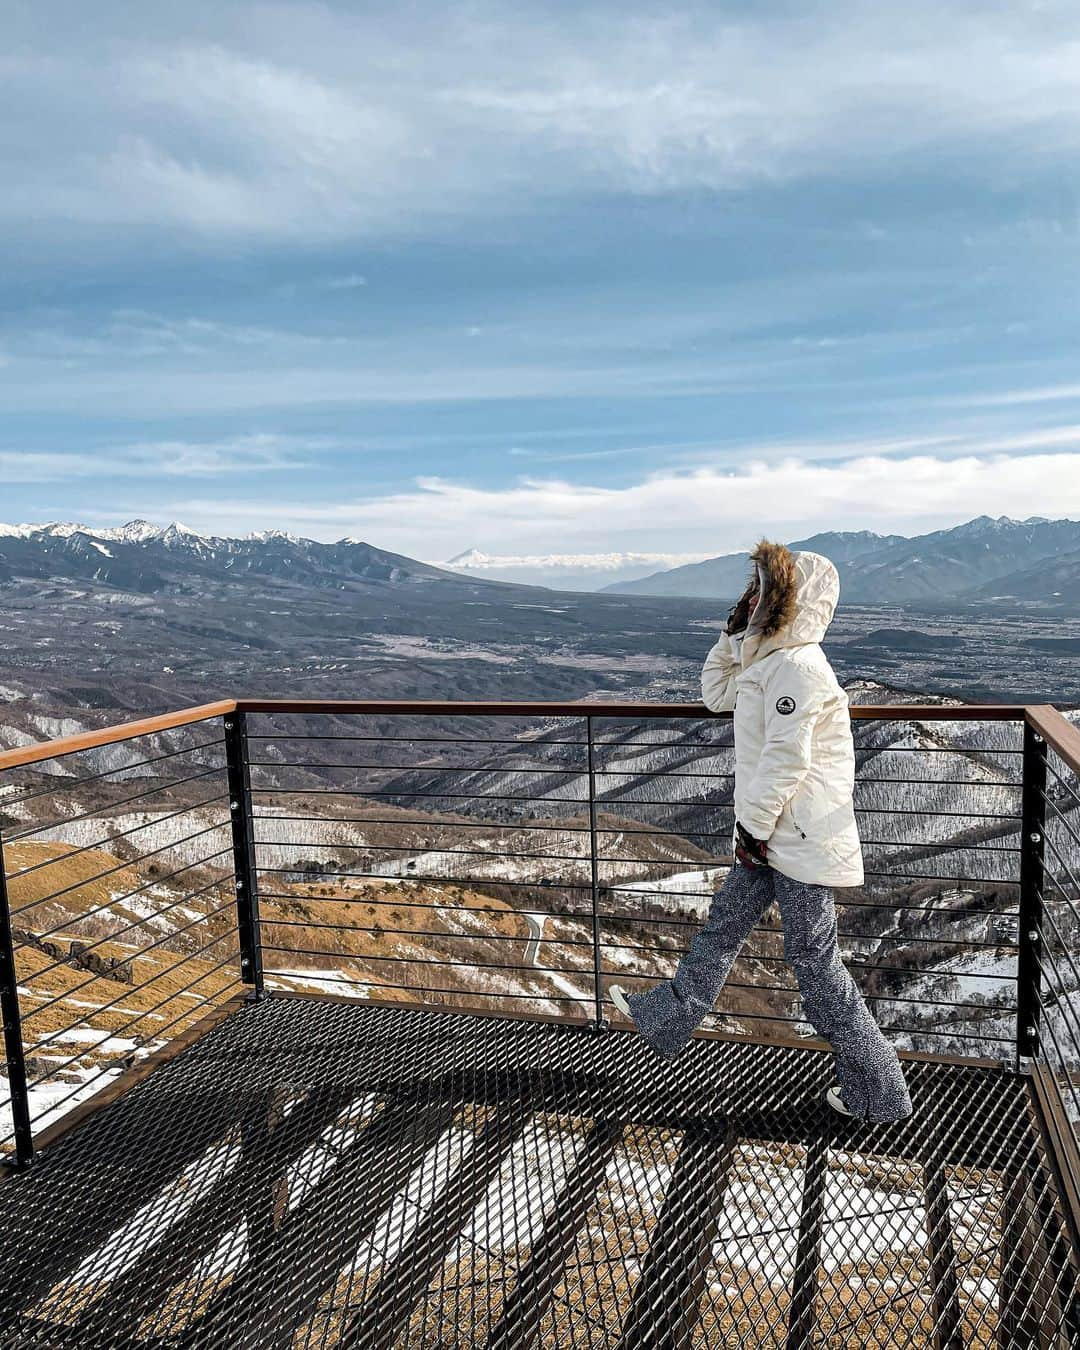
(618, 997)
(836, 1101)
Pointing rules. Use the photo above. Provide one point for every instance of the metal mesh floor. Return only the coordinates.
(313, 1173)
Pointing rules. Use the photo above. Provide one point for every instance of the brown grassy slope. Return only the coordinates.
(113, 973)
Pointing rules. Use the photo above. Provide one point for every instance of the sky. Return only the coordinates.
(566, 281)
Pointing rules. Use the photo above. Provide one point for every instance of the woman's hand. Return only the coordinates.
(740, 612)
(738, 617)
(751, 852)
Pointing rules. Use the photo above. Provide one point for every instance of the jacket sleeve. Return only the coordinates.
(793, 700)
(718, 676)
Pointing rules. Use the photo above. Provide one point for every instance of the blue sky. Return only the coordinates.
(546, 279)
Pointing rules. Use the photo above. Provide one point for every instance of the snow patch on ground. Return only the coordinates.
(328, 981)
(700, 885)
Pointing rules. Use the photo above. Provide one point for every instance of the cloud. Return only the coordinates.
(124, 335)
(1011, 398)
(350, 282)
(708, 511)
(569, 456)
(167, 459)
(280, 120)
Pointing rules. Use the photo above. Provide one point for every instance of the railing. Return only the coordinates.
(517, 857)
(1051, 901)
(118, 922)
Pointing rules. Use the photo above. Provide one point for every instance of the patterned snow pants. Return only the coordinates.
(869, 1073)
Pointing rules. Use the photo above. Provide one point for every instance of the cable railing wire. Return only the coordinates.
(77, 852)
(55, 1104)
(153, 946)
(1063, 1073)
(114, 901)
(1064, 782)
(120, 867)
(636, 889)
(586, 972)
(905, 940)
(1061, 1003)
(83, 950)
(71, 784)
(169, 786)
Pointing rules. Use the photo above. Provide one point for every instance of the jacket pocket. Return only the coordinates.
(795, 820)
(811, 824)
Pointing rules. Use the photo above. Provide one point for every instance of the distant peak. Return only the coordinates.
(139, 529)
(177, 531)
(134, 532)
(267, 536)
(985, 524)
(62, 529)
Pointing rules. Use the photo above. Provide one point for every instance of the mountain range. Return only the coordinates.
(982, 561)
(986, 559)
(133, 619)
(145, 558)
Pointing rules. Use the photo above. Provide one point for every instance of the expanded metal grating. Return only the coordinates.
(314, 1173)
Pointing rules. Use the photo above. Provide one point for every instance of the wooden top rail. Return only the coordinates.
(126, 731)
(1045, 719)
(1057, 731)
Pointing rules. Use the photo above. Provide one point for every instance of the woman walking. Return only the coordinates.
(795, 835)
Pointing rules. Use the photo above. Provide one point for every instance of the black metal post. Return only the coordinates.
(1033, 829)
(804, 1280)
(594, 858)
(13, 1041)
(243, 837)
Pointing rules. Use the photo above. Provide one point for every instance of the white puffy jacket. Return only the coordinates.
(794, 754)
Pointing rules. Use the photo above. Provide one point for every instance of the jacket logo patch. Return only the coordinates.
(785, 705)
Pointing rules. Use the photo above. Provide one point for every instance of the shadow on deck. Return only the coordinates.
(319, 1173)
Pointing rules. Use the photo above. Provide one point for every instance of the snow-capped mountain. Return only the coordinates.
(726, 575)
(982, 559)
(147, 558)
(135, 531)
(566, 571)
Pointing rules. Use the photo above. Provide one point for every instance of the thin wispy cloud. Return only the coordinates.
(570, 456)
(1014, 398)
(352, 282)
(169, 459)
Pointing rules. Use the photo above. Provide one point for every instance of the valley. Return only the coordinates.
(452, 855)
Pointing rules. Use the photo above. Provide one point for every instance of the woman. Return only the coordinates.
(795, 834)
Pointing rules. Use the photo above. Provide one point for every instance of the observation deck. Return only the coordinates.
(308, 1040)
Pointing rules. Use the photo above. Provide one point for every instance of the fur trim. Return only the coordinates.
(778, 563)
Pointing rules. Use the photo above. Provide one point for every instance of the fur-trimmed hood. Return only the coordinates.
(799, 594)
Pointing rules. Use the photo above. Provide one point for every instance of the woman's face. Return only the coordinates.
(755, 595)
